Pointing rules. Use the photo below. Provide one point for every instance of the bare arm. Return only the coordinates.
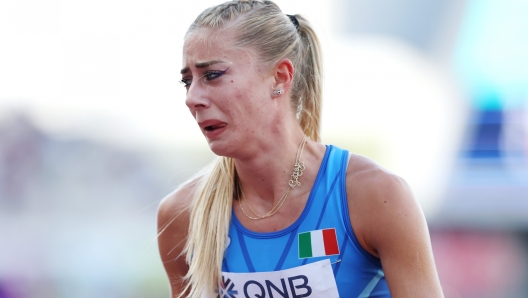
(390, 224)
(173, 223)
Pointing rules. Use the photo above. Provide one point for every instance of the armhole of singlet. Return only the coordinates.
(346, 215)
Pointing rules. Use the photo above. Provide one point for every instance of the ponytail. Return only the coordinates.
(310, 78)
(208, 228)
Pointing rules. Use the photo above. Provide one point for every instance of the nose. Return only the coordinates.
(196, 98)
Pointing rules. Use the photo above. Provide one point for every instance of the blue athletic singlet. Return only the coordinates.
(357, 273)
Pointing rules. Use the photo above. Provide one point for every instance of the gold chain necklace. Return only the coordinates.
(294, 181)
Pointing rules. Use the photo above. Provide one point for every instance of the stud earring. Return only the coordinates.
(277, 92)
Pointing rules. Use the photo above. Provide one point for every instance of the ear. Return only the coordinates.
(283, 75)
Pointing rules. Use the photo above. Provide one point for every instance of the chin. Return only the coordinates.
(220, 148)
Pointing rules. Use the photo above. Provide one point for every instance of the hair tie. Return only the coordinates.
(294, 20)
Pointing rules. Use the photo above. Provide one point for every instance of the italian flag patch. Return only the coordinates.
(318, 243)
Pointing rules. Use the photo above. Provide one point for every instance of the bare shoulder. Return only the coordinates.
(379, 202)
(173, 224)
(370, 187)
(176, 203)
(389, 223)
(369, 178)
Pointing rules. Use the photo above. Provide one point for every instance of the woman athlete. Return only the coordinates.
(279, 214)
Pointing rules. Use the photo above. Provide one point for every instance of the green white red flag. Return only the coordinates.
(318, 243)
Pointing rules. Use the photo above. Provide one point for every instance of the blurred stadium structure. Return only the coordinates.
(77, 215)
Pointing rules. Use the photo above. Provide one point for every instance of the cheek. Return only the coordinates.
(193, 112)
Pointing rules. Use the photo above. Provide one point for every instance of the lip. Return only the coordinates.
(205, 125)
(210, 122)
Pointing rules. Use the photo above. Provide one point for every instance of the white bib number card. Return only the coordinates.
(312, 280)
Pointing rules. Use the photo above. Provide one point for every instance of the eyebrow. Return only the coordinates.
(202, 65)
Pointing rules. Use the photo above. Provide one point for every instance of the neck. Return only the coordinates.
(265, 174)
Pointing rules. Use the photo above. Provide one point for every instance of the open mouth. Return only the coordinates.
(214, 127)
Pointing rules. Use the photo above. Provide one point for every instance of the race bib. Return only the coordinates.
(312, 280)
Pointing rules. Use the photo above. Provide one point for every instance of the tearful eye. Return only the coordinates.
(186, 82)
(213, 74)
(206, 77)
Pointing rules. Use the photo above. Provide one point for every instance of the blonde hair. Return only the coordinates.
(262, 26)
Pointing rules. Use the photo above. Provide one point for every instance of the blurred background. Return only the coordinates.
(94, 132)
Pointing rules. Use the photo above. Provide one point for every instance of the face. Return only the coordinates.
(228, 91)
